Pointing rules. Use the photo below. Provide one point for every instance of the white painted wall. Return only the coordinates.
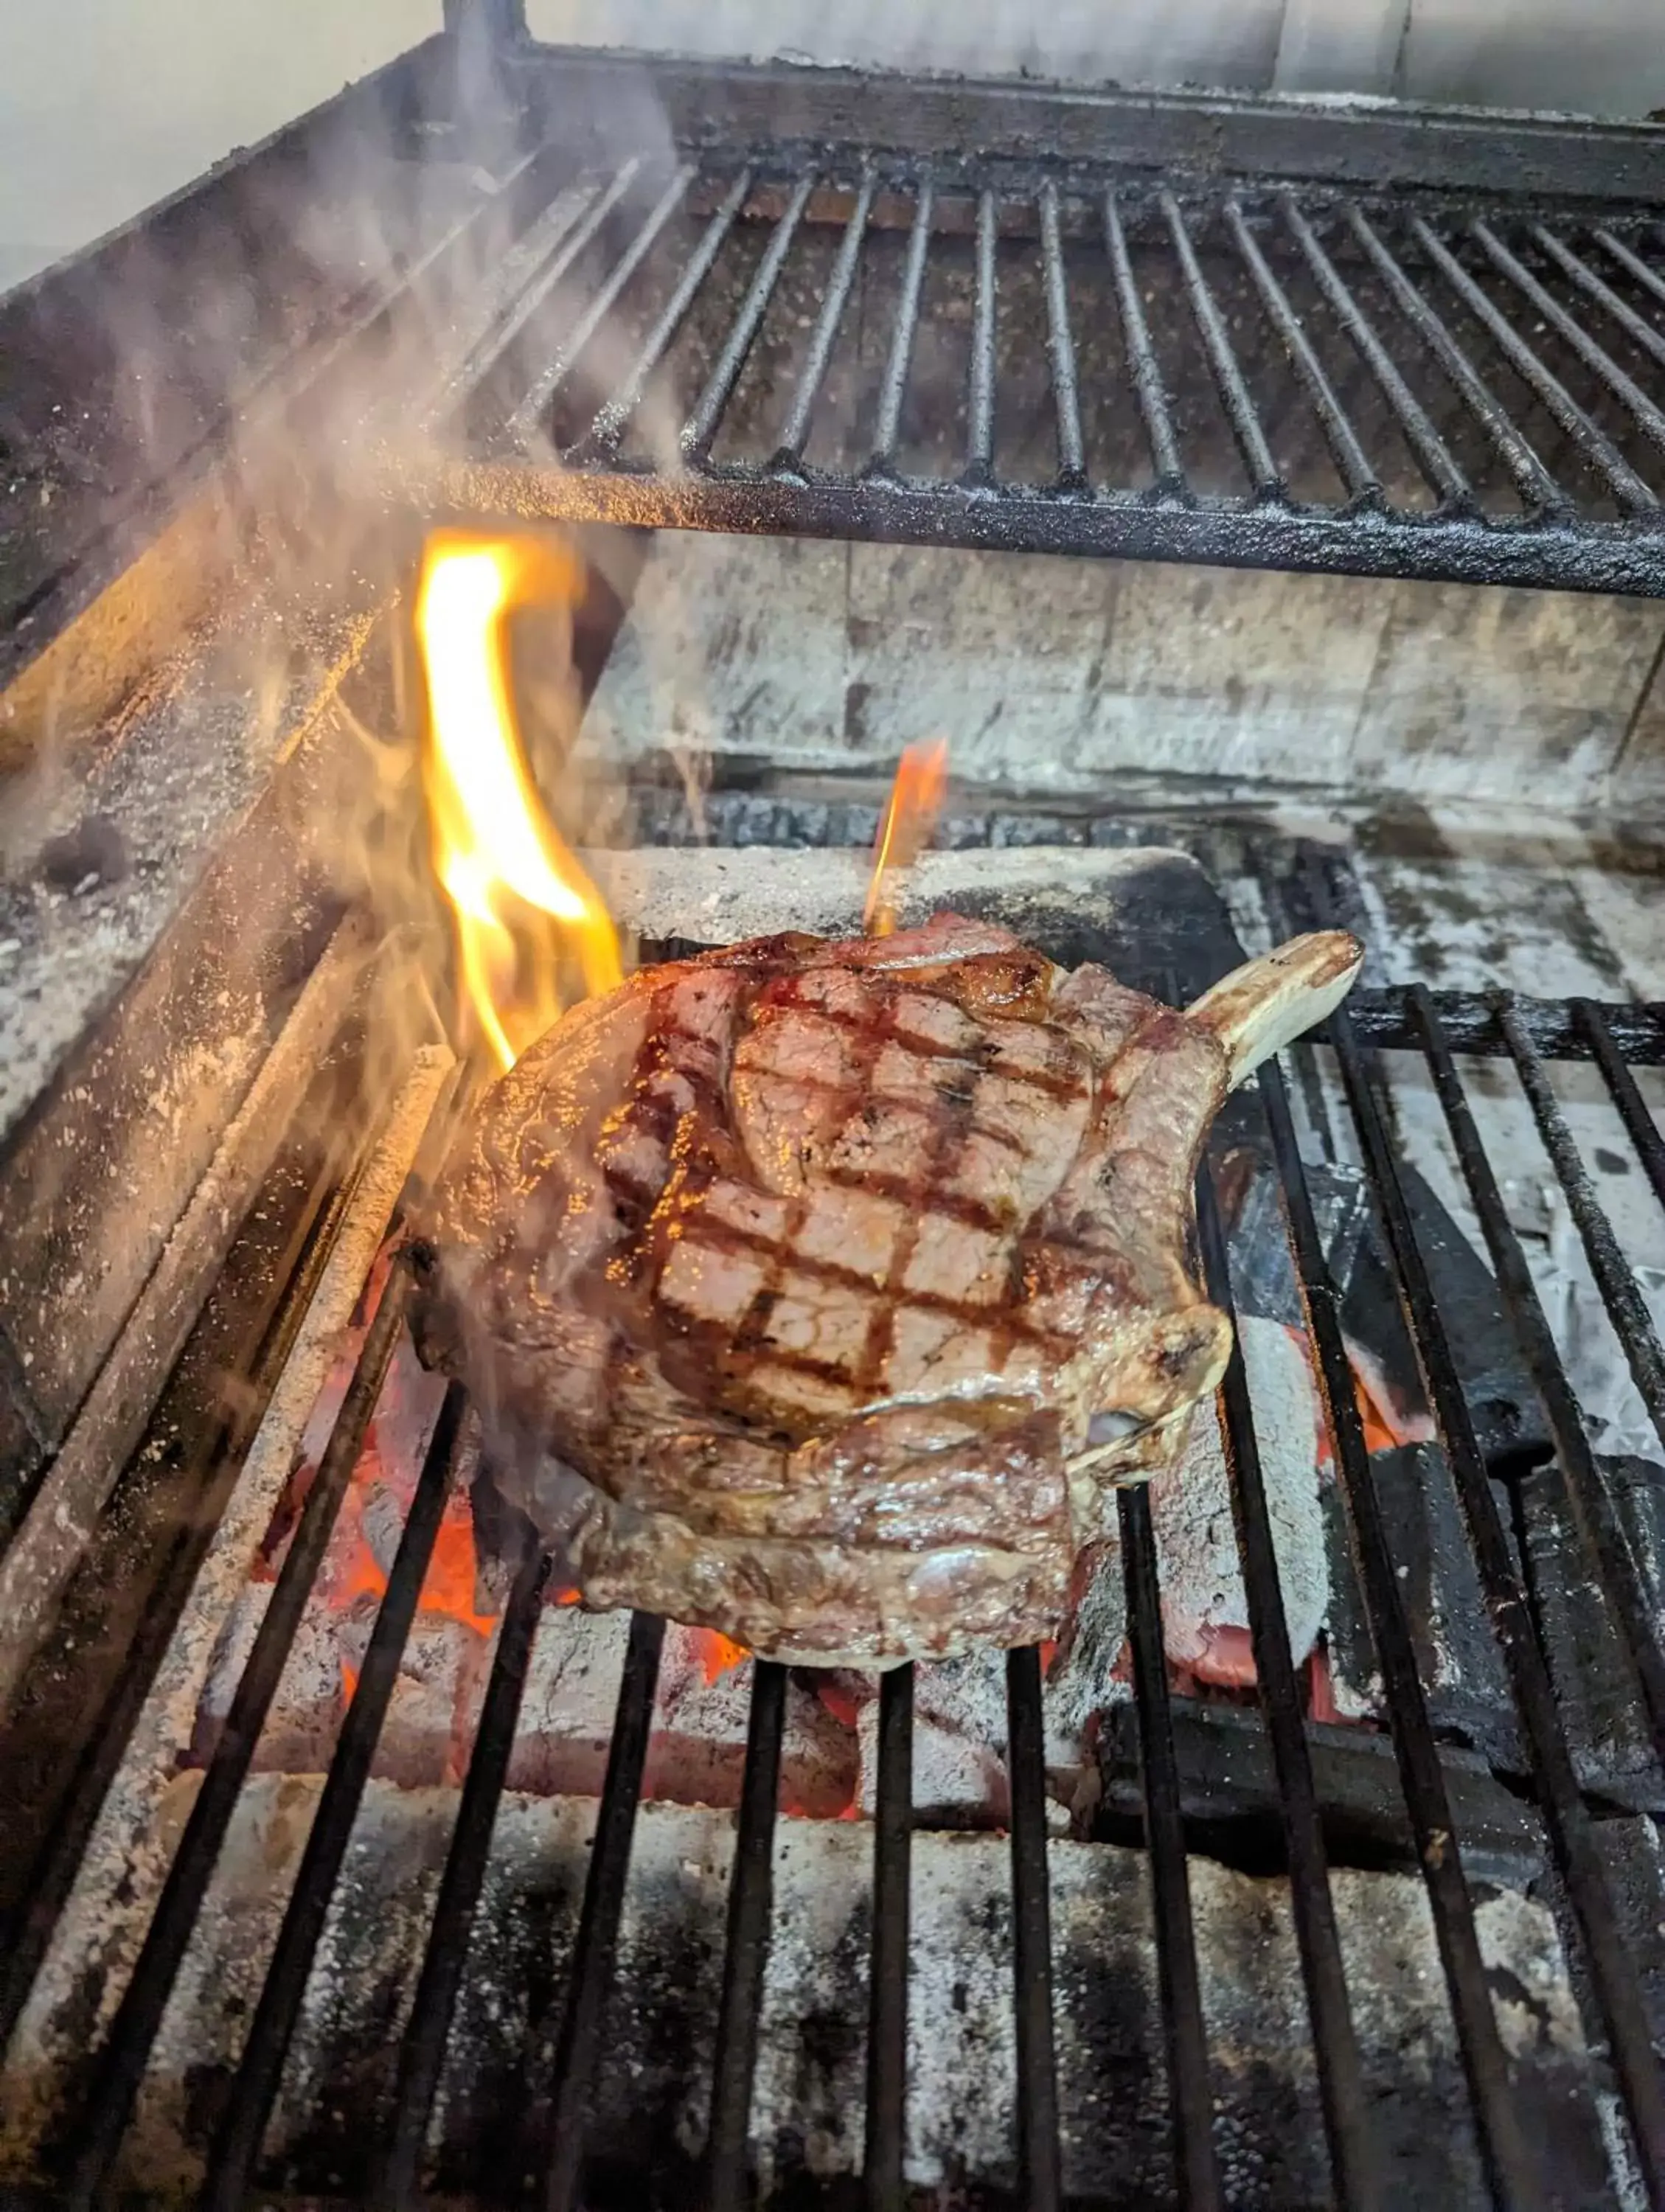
(106, 105)
(1600, 57)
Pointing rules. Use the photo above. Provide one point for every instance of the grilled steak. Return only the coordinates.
(821, 1293)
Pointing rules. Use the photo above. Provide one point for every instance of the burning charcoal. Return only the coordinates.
(1205, 1608)
(232, 1648)
(428, 1730)
(959, 1744)
(697, 1753)
(300, 1729)
(652, 2094)
(405, 1413)
(566, 1712)
(1088, 1672)
(960, 1774)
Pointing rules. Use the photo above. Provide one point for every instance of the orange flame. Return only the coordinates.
(718, 1653)
(520, 898)
(910, 816)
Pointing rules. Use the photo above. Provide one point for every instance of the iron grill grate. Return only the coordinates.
(1148, 352)
(1614, 1038)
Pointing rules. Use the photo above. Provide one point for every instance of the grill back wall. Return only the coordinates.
(1124, 326)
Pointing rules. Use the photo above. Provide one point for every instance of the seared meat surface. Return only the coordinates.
(823, 1291)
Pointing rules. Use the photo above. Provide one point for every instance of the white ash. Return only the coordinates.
(176, 772)
(127, 1857)
(1538, 1212)
(434, 1710)
(697, 1749)
(651, 2092)
(713, 895)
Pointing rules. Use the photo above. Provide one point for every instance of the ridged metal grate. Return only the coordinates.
(1123, 357)
(1522, 1032)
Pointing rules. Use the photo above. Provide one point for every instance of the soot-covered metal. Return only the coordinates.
(1078, 324)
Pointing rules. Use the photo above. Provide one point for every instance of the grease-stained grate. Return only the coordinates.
(1111, 356)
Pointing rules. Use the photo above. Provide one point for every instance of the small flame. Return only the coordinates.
(911, 817)
(718, 1653)
(515, 884)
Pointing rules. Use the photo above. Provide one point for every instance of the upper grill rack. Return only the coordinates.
(1612, 1037)
(1087, 359)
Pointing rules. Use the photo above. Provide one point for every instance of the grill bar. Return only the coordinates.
(494, 326)
(1180, 225)
(841, 285)
(237, 2146)
(1567, 327)
(1356, 474)
(1510, 2169)
(610, 422)
(1533, 480)
(1596, 447)
(1633, 264)
(1143, 366)
(751, 1895)
(1556, 1031)
(422, 2050)
(1185, 2037)
(700, 427)
(1639, 1124)
(1592, 1506)
(1060, 346)
(1040, 2157)
(1627, 1308)
(1353, 2154)
(1564, 1813)
(1223, 364)
(1640, 333)
(26, 1928)
(980, 407)
(543, 286)
(887, 2007)
(122, 2062)
(532, 409)
(901, 342)
(577, 2052)
(1433, 456)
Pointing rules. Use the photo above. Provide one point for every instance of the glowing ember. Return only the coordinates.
(521, 900)
(718, 1654)
(910, 816)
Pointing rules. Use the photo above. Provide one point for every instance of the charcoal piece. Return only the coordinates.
(1600, 1701)
(94, 852)
(1457, 1656)
(1509, 1421)
(1633, 1856)
(1263, 1278)
(1229, 1798)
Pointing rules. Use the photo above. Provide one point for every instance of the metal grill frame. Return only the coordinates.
(1396, 193)
(1433, 1026)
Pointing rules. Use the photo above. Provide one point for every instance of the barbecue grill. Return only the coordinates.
(771, 300)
